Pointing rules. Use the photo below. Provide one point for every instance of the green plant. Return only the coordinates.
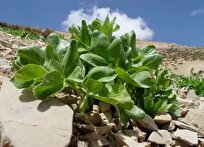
(194, 81)
(94, 63)
(22, 33)
(159, 97)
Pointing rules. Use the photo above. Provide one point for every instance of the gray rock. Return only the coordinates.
(201, 106)
(186, 102)
(123, 140)
(189, 137)
(140, 134)
(160, 137)
(183, 92)
(96, 109)
(5, 44)
(169, 126)
(103, 129)
(162, 118)
(201, 142)
(184, 111)
(195, 117)
(189, 127)
(31, 123)
(191, 95)
(82, 144)
(95, 140)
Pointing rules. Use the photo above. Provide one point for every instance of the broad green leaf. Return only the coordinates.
(17, 63)
(124, 118)
(115, 53)
(21, 85)
(109, 100)
(122, 74)
(51, 53)
(31, 55)
(74, 30)
(132, 39)
(140, 79)
(93, 86)
(99, 43)
(135, 113)
(120, 93)
(152, 61)
(157, 105)
(148, 122)
(117, 95)
(146, 50)
(116, 28)
(56, 65)
(71, 58)
(29, 72)
(78, 74)
(85, 105)
(102, 74)
(52, 83)
(163, 106)
(144, 79)
(62, 48)
(85, 34)
(53, 40)
(93, 59)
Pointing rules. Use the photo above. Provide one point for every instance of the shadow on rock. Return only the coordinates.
(27, 96)
(47, 103)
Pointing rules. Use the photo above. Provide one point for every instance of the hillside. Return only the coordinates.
(179, 58)
(57, 120)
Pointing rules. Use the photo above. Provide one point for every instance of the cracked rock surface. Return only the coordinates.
(26, 122)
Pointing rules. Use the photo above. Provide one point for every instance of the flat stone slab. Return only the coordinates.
(28, 122)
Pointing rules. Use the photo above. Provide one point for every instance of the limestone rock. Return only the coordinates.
(103, 129)
(95, 140)
(160, 137)
(187, 136)
(201, 106)
(123, 140)
(82, 144)
(189, 127)
(191, 95)
(169, 126)
(141, 135)
(136, 133)
(201, 142)
(183, 92)
(31, 123)
(96, 109)
(162, 118)
(184, 111)
(186, 102)
(195, 117)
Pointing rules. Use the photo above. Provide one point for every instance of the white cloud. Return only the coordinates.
(198, 11)
(126, 23)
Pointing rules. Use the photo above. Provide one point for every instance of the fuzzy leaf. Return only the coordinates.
(31, 55)
(51, 84)
(29, 72)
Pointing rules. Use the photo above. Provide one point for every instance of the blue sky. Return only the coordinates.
(176, 21)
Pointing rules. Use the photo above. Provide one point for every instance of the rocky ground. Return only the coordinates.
(51, 121)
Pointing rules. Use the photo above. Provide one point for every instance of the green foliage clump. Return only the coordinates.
(21, 32)
(99, 67)
(194, 81)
